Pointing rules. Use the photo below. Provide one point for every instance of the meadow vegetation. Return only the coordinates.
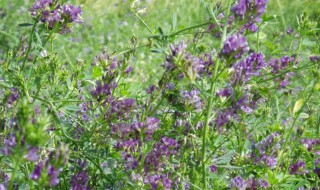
(146, 94)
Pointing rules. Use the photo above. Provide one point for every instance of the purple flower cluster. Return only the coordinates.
(246, 104)
(156, 159)
(190, 65)
(280, 64)
(252, 183)
(265, 151)
(51, 172)
(131, 162)
(52, 167)
(238, 183)
(298, 168)
(251, 12)
(315, 58)
(56, 15)
(155, 180)
(10, 144)
(235, 46)
(121, 109)
(80, 180)
(103, 91)
(213, 169)
(13, 97)
(127, 131)
(192, 99)
(226, 92)
(4, 180)
(250, 66)
(310, 143)
(33, 155)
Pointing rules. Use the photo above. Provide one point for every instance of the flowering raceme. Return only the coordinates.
(235, 46)
(251, 12)
(55, 16)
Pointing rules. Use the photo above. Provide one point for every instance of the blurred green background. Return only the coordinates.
(111, 24)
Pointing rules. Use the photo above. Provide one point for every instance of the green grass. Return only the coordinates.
(111, 24)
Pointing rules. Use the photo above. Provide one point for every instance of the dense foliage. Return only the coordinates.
(234, 107)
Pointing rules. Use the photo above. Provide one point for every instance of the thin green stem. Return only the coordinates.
(210, 104)
(29, 44)
(4, 85)
(141, 20)
(131, 49)
(182, 30)
(14, 172)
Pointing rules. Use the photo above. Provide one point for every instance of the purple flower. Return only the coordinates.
(52, 15)
(131, 162)
(251, 10)
(4, 178)
(310, 143)
(224, 117)
(151, 89)
(177, 51)
(264, 184)
(289, 31)
(251, 66)
(37, 171)
(13, 97)
(192, 99)
(80, 181)
(282, 63)
(235, 46)
(155, 179)
(317, 171)
(315, 58)
(53, 174)
(226, 92)
(271, 161)
(40, 6)
(266, 144)
(213, 169)
(2, 187)
(238, 183)
(32, 155)
(161, 151)
(151, 126)
(72, 14)
(10, 143)
(298, 168)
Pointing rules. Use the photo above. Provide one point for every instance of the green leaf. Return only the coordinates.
(225, 159)
(304, 115)
(272, 178)
(297, 106)
(25, 24)
(268, 18)
(97, 72)
(262, 35)
(72, 108)
(317, 87)
(174, 21)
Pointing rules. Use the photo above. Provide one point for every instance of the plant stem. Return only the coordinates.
(182, 30)
(29, 45)
(210, 103)
(13, 176)
(143, 22)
